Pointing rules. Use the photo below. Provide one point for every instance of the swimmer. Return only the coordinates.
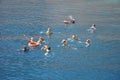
(70, 20)
(75, 37)
(88, 42)
(31, 39)
(40, 40)
(25, 48)
(93, 27)
(64, 43)
(47, 49)
(49, 32)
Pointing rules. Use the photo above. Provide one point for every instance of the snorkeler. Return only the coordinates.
(49, 32)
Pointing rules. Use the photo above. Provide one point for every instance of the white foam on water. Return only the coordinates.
(46, 54)
(90, 30)
(41, 32)
(74, 48)
(58, 45)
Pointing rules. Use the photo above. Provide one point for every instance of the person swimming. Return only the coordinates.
(70, 20)
(64, 43)
(31, 39)
(47, 49)
(49, 32)
(40, 40)
(93, 27)
(88, 42)
(75, 37)
(25, 48)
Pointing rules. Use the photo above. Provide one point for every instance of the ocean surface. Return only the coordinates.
(22, 19)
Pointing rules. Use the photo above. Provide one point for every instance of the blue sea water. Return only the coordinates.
(99, 61)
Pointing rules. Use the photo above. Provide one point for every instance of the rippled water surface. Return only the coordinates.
(100, 61)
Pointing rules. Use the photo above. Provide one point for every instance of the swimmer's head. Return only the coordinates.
(93, 24)
(74, 36)
(88, 40)
(31, 38)
(63, 40)
(40, 39)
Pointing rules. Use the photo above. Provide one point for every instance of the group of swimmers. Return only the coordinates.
(64, 42)
(75, 37)
(41, 40)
